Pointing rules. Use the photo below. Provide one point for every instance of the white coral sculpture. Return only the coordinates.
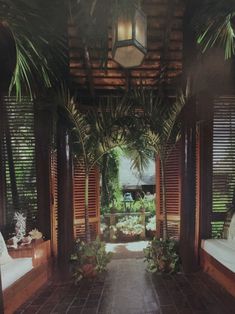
(20, 226)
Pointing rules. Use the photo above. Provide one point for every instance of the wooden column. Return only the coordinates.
(188, 183)
(43, 141)
(188, 201)
(2, 189)
(158, 197)
(65, 200)
(7, 65)
(206, 164)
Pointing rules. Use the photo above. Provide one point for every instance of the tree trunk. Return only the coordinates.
(105, 198)
(87, 225)
(164, 210)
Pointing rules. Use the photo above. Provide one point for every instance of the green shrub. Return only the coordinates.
(148, 205)
(162, 256)
(130, 225)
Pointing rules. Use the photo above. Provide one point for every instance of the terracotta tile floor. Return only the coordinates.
(127, 288)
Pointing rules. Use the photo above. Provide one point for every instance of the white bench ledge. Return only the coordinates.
(14, 270)
(222, 250)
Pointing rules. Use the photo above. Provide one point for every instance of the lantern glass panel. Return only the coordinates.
(114, 32)
(140, 29)
(124, 28)
(128, 56)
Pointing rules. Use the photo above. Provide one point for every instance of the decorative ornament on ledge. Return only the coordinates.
(20, 226)
(20, 237)
(129, 45)
(35, 234)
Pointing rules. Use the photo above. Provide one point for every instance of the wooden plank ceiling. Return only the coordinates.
(164, 45)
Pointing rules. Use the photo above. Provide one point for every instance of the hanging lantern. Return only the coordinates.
(130, 38)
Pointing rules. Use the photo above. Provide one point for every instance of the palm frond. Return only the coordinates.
(39, 42)
(160, 117)
(139, 152)
(214, 25)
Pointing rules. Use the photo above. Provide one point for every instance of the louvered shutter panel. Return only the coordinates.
(54, 205)
(20, 129)
(223, 183)
(79, 201)
(173, 193)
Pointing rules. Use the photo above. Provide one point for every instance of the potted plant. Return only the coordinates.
(162, 256)
(89, 259)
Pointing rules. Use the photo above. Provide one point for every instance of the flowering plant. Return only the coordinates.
(151, 225)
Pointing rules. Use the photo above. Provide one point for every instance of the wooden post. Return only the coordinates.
(142, 221)
(206, 164)
(43, 142)
(158, 198)
(188, 150)
(65, 200)
(7, 65)
(112, 222)
(2, 189)
(188, 197)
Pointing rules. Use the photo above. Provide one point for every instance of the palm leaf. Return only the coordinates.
(40, 51)
(213, 22)
(159, 118)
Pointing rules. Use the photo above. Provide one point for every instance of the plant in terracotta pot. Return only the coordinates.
(162, 256)
(89, 259)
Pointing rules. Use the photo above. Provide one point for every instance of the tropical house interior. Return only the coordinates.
(60, 60)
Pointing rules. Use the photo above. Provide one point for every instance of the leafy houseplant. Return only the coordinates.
(161, 256)
(89, 259)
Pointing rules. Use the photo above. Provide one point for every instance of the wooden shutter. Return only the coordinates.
(79, 201)
(54, 205)
(19, 134)
(223, 180)
(173, 193)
